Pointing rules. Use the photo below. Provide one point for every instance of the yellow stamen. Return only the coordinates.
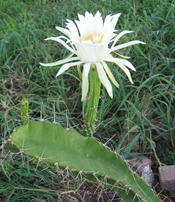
(94, 37)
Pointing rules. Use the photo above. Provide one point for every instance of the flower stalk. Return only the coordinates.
(94, 96)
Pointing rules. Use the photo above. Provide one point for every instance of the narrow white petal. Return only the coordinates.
(126, 63)
(58, 37)
(98, 22)
(82, 26)
(90, 23)
(85, 83)
(121, 34)
(73, 29)
(107, 21)
(81, 16)
(87, 68)
(121, 64)
(64, 31)
(87, 14)
(62, 42)
(120, 61)
(118, 36)
(59, 62)
(126, 45)
(114, 20)
(104, 79)
(108, 71)
(67, 66)
(126, 72)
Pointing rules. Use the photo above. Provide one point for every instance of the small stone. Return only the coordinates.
(138, 164)
(148, 175)
(167, 177)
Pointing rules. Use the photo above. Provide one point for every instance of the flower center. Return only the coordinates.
(94, 37)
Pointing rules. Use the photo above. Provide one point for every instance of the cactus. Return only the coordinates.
(24, 110)
(93, 100)
(48, 142)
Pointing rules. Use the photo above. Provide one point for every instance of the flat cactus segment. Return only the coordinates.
(51, 143)
(9, 146)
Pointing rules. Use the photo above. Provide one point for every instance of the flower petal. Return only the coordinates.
(85, 81)
(98, 22)
(107, 37)
(114, 20)
(64, 31)
(59, 62)
(107, 22)
(91, 53)
(108, 71)
(118, 36)
(126, 72)
(82, 25)
(62, 42)
(120, 61)
(104, 79)
(66, 66)
(72, 28)
(126, 45)
(87, 68)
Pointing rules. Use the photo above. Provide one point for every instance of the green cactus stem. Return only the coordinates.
(93, 100)
(24, 110)
(48, 142)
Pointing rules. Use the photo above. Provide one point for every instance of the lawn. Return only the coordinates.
(145, 109)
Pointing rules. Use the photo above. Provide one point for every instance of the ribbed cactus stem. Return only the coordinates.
(93, 100)
(24, 105)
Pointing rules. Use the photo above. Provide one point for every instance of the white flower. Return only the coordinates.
(89, 40)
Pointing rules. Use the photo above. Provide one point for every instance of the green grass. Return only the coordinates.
(147, 107)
